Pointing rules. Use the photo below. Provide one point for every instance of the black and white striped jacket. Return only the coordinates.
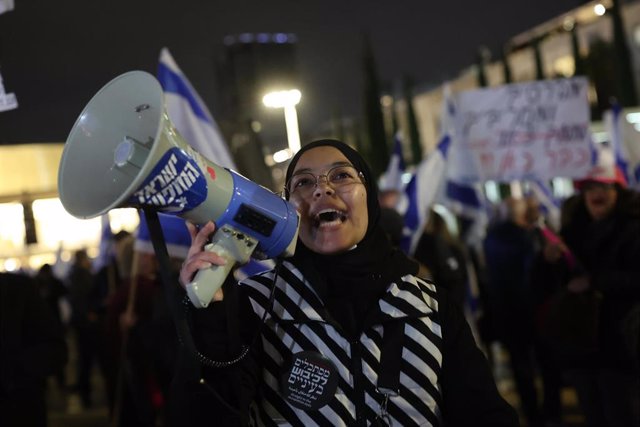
(407, 318)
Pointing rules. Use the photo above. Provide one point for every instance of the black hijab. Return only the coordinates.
(350, 282)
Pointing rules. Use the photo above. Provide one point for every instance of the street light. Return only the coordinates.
(287, 100)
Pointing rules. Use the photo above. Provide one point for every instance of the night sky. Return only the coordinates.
(54, 55)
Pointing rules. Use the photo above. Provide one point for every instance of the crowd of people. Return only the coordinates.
(109, 320)
(351, 330)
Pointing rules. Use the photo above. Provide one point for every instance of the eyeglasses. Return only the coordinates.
(338, 177)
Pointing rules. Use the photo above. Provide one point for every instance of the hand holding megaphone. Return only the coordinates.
(200, 260)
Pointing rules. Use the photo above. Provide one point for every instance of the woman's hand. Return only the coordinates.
(197, 258)
(579, 284)
(553, 252)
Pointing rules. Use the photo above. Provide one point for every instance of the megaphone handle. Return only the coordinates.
(207, 281)
(229, 243)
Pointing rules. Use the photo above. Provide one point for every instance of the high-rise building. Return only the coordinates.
(251, 66)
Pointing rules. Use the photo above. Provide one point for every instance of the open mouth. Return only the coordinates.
(329, 216)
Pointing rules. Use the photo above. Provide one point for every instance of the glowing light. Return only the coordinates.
(633, 117)
(282, 155)
(287, 100)
(11, 264)
(280, 38)
(246, 38)
(599, 9)
(283, 98)
(11, 227)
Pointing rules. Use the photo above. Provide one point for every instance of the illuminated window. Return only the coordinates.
(55, 225)
(124, 219)
(564, 66)
(11, 228)
(56, 230)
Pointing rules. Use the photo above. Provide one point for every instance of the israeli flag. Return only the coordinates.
(422, 190)
(105, 250)
(194, 122)
(427, 183)
(613, 124)
(190, 115)
(396, 167)
(433, 182)
(549, 204)
(466, 200)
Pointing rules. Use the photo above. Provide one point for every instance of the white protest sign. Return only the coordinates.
(522, 131)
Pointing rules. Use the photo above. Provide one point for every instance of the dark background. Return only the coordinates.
(54, 55)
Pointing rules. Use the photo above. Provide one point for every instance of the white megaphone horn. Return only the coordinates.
(123, 151)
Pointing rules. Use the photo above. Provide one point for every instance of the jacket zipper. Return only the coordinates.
(358, 384)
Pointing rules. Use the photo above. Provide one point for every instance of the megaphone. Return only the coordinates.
(123, 151)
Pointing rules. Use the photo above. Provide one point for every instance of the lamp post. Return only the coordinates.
(287, 100)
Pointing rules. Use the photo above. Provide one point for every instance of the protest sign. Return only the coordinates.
(535, 130)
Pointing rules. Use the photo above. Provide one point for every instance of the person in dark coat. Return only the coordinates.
(602, 232)
(509, 251)
(353, 337)
(84, 324)
(444, 257)
(32, 347)
(53, 291)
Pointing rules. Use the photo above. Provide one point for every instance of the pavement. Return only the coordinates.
(65, 409)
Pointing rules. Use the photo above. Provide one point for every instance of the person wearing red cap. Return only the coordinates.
(601, 228)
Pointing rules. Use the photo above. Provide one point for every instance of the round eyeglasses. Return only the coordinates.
(338, 177)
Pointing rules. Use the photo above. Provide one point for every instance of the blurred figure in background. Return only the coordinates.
(390, 219)
(444, 257)
(32, 347)
(83, 323)
(509, 250)
(53, 291)
(545, 284)
(107, 281)
(602, 232)
(143, 345)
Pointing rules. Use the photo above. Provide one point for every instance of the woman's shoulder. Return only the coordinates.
(421, 292)
(629, 204)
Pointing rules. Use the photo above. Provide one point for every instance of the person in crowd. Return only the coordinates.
(444, 257)
(32, 347)
(107, 281)
(601, 230)
(142, 345)
(110, 276)
(390, 219)
(353, 336)
(509, 251)
(544, 283)
(53, 291)
(83, 323)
